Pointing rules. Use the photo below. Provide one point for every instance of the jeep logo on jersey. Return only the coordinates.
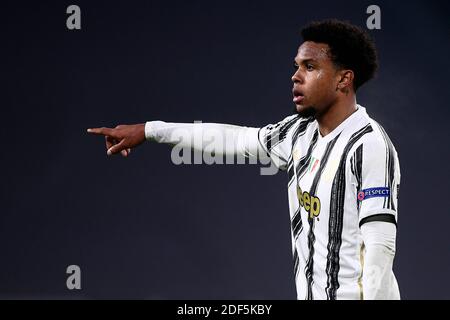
(364, 194)
(309, 202)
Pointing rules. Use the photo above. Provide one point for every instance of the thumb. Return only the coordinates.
(116, 148)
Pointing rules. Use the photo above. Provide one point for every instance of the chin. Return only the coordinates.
(300, 108)
(305, 111)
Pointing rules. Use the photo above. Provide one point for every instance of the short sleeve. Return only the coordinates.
(376, 169)
(275, 140)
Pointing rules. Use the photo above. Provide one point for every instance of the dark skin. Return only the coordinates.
(326, 89)
(122, 138)
(319, 87)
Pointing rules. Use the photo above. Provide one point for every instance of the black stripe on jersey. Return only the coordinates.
(384, 217)
(304, 161)
(302, 165)
(301, 129)
(279, 133)
(309, 268)
(352, 165)
(296, 261)
(268, 141)
(336, 218)
(357, 158)
(323, 163)
(285, 128)
(389, 202)
(296, 224)
(297, 228)
(386, 167)
(290, 168)
(386, 170)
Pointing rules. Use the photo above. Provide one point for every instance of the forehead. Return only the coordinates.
(313, 50)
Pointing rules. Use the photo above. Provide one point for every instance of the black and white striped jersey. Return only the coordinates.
(336, 184)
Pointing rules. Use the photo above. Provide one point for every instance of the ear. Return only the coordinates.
(345, 80)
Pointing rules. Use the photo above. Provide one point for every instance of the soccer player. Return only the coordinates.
(343, 169)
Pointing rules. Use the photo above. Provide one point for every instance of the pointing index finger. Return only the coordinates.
(101, 131)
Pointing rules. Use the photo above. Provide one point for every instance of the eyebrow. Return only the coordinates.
(304, 61)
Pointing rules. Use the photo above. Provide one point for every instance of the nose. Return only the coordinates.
(297, 77)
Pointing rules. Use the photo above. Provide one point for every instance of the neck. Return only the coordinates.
(334, 115)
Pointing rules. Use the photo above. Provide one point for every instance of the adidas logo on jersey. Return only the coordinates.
(309, 202)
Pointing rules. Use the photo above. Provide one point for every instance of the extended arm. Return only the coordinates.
(223, 139)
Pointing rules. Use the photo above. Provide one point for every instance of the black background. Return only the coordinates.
(142, 227)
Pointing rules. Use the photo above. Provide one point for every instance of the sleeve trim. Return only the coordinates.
(384, 217)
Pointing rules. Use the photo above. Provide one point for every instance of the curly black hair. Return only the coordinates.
(350, 47)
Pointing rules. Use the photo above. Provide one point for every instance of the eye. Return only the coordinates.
(295, 65)
(309, 67)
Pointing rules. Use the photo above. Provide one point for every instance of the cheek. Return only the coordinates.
(325, 82)
(319, 75)
(318, 79)
(322, 87)
(319, 83)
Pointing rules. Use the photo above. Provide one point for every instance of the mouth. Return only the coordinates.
(298, 96)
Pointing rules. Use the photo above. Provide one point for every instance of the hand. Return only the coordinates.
(121, 138)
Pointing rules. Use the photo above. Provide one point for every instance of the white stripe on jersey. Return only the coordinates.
(335, 182)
